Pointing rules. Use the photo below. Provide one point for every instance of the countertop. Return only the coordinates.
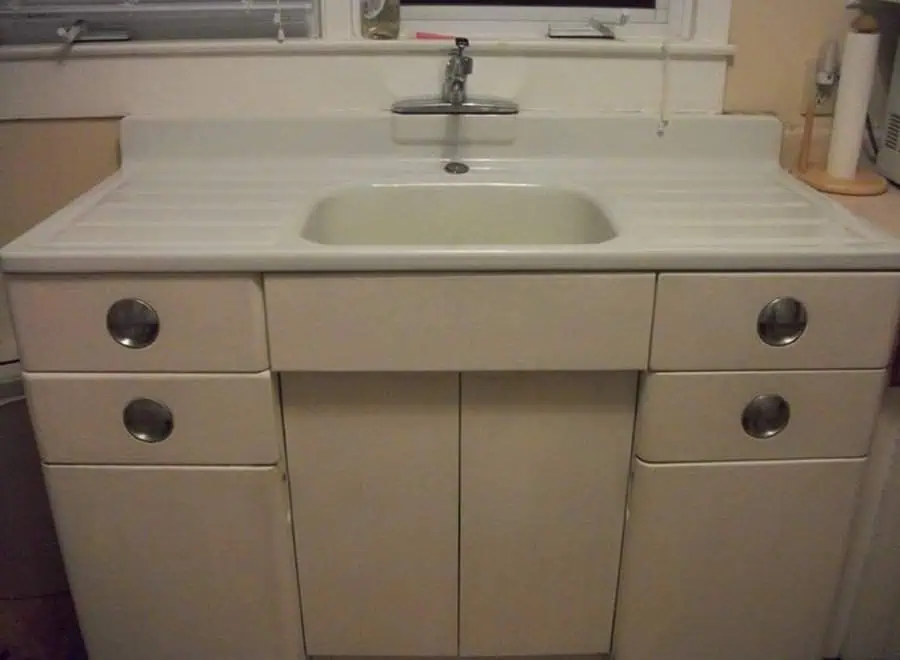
(883, 211)
(708, 194)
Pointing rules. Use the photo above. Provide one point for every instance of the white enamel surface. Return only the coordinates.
(231, 195)
(457, 214)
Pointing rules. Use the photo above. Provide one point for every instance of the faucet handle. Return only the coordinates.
(464, 63)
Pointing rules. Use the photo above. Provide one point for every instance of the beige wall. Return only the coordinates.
(776, 40)
(46, 164)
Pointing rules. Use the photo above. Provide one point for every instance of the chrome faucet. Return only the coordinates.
(454, 98)
(457, 72)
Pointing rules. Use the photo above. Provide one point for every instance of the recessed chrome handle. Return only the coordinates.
(148, 420)
(766, 416)
(782, 321)
(132, 323)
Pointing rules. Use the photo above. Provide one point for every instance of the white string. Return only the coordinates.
(664, 94)
(276, 19)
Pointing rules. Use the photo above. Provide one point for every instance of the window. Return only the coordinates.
(593, 4)
(67, 21)
(641, 4)
(646, 18)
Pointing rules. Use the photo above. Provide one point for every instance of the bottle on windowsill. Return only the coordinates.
(380, 19)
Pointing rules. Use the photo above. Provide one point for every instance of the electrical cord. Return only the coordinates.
(870, 129)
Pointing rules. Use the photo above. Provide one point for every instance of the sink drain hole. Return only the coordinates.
(455, 167)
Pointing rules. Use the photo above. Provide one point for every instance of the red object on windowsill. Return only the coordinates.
(433, 35)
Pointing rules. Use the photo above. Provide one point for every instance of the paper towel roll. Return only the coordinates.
(857, 74)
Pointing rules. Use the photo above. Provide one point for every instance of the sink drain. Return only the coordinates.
(455, 167)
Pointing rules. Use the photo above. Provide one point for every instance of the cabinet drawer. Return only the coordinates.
(757, 415)
(774, 321)
(179, 419)
(180, 323)
(459, 323)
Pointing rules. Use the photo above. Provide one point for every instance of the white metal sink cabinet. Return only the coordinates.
(437, 513)
(455, 473)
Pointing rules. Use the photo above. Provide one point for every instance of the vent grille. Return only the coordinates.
(892, 137)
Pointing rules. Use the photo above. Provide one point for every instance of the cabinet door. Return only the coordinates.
(374, 479)
(544, 468)
(872, 579)
(179, 562)
(733, 560)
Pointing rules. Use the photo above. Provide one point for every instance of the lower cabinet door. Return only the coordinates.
(375, 483)
(733, 560)
(544, 470)
(179, 562)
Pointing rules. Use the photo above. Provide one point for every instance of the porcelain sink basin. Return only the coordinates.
(457, 214)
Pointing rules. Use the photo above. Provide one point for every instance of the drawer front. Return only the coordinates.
(140, 323)
(459, 323)
(156, 418)
(774, 321)
(757, 415)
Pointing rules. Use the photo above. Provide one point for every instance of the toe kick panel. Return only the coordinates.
(459, 322)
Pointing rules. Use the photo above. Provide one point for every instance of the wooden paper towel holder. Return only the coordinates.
(866, 183)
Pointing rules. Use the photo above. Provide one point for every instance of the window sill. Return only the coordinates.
(575, 47)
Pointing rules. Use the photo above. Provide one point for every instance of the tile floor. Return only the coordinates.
(40, 629)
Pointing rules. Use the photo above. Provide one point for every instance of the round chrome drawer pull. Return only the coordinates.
(766, 416)
(782, 322)
(133, 323)
(148, 420)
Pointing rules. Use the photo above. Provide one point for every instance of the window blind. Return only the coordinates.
(77, 21)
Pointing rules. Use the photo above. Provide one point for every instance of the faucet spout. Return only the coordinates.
(456, 94)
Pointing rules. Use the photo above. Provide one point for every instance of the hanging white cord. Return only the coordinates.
(279, 35)
(664, 94)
